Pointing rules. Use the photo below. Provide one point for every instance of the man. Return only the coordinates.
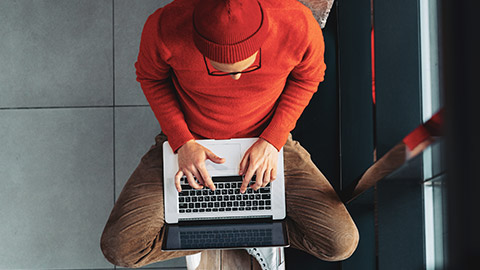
(224, 69)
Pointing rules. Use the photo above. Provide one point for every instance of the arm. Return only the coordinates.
(302, 83)
(153, 73)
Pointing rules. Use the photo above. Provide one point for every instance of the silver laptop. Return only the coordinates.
(224, 218)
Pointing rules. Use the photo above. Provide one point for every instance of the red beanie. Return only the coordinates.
(228, 31)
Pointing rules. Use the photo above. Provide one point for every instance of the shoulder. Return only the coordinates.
(291, 15)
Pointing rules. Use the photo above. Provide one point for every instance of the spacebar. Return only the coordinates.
(233, 178)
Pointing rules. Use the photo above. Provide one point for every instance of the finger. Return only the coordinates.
(243, 164)
(206, 177)
(178, 176)
(199, 179)
(213, 157)
(192, 181)
(274, 174)
(266, 178)
(246, 179)
(258, 183)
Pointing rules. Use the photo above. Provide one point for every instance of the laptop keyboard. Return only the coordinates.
(225, 198)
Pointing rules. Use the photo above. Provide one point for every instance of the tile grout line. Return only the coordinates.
(113, 97)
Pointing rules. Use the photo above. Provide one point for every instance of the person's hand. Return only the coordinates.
(191, 163)
(260, 160)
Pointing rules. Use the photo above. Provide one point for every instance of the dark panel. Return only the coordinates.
(397, 71)
(362, 210)
(459, 61)
(356, 120)
(355, 86)
(317, 128)
(401, 219)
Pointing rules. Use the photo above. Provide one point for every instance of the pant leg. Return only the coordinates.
(318, 221)
(133, 234)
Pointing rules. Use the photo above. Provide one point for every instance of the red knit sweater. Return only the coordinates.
(266, 103)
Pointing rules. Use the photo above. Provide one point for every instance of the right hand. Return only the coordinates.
(191, 163)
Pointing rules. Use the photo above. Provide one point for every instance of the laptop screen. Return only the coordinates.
(223, 235)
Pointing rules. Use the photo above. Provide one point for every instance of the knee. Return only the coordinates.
(342, 245)
(115, 251)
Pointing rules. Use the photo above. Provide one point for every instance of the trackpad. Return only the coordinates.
(232, 155)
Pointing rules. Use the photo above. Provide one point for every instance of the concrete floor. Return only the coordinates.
(74, 125)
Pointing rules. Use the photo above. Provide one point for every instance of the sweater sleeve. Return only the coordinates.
(153, 74)
(301, 84)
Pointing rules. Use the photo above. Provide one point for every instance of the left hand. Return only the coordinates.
(261, 160)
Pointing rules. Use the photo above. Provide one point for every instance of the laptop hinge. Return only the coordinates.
(218, 218)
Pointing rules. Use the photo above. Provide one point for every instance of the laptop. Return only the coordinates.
(224, 218)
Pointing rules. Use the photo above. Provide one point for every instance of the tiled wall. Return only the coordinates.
(74, 124)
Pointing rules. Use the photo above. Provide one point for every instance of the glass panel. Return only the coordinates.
(431, 103)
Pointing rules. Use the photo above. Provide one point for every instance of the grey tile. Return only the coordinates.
(56, 53)
(135, 131)
(56, 169)
(130, 16)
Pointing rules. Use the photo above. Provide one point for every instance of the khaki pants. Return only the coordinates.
(318, 222)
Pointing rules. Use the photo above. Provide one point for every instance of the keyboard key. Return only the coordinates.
(220, 185)
(223, 204)
(187, 199)
(200, 199)
(191, 205)
(267, 202)
(265, 190)
(261, 202)
(194, 199)
(266, 196)
(181, 199)
(232, 197)
(182, 210)
(204, 205)
(224, 191)
(183, 206)
(210, 205)
(225, 198)
(201, 210)
(258, 196)
(255, 203)
(183, 193)
(186, 187)
(197, 205)
(195, 210)
(227, 185)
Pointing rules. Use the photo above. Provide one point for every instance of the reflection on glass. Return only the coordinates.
(412, 145)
